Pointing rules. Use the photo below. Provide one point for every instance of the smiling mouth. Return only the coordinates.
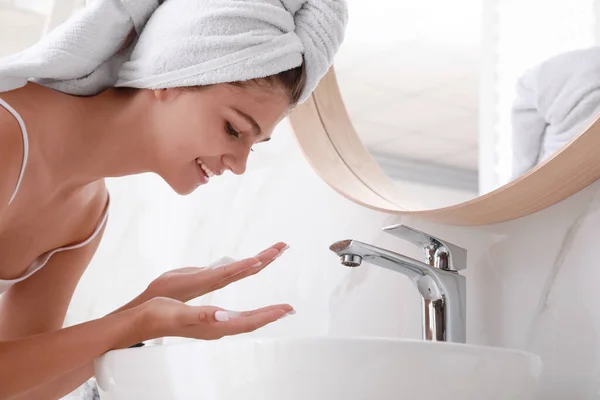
(206, 171)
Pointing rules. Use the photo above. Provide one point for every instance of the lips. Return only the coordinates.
(209, 172)
(203, 176)
(205, 172)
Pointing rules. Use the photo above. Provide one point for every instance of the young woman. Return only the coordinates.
(55, 151)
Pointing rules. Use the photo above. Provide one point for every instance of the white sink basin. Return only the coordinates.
(317, 369)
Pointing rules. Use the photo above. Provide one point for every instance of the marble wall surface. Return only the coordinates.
(532, 282)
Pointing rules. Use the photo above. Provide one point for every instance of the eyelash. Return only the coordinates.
(230, 130)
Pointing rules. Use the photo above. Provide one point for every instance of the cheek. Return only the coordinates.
(186, 122)
(203, 136)
(173, 120)
(194, 129)
(179, 136)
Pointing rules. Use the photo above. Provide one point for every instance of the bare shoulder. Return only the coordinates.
(11, 156)
(94, 207)
(51, 288)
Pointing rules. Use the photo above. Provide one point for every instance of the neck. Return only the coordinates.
(86, 139)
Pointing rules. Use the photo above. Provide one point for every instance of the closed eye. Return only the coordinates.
(230, 129)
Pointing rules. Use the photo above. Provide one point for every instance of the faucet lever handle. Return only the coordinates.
(438, 253)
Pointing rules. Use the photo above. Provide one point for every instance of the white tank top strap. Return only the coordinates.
(42, 260)
(14, 112)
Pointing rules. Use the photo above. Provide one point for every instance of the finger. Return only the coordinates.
(204, 281)
(266, 258)
(228, 270)
(249, 324)
(285, 307)
(268, 255)
(279, 246)
(225, 275)
(239, 276)
(195, 314)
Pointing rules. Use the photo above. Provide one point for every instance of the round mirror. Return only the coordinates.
(409, 75)
(420, 104)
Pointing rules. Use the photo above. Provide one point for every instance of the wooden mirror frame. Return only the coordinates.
(330, 143)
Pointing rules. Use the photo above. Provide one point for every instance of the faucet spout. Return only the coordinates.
(443, 292)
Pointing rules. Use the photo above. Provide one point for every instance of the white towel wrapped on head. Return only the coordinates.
(80, 56)
(182, 43)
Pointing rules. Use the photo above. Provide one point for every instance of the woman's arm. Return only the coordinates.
(70, 381)
(167, 317)
(39, 359)
(39, 304)
(60, 387)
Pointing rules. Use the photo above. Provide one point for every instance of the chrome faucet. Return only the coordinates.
(442, 289)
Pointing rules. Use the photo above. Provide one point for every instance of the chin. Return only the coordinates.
(181, 187)
(184, 192)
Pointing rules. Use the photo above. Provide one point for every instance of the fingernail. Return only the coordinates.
(281, 252)
(222, 316)
(293, 312)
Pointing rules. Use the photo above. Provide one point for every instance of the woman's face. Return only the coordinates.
(201, 132)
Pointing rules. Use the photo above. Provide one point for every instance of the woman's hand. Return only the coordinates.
(185, 284)
(167, 317)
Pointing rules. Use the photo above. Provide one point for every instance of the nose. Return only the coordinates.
(236, 163)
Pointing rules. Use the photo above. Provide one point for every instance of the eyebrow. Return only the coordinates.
(255, 127)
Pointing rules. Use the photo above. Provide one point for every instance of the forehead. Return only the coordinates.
(258, 93)
(263, 102)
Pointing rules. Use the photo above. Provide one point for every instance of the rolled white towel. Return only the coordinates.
(556, 102)
(182, 43)
(80, 56)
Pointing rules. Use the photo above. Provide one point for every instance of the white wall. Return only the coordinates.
(532, 282)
